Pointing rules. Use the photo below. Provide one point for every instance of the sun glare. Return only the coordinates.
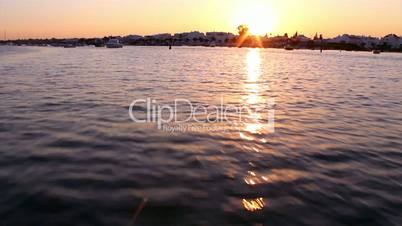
(259, 18)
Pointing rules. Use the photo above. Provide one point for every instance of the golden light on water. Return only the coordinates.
(254, 128)
(253, 204)
(275, 176)
(245, 137)
(253, 75)
(253, 89)
(253, 65)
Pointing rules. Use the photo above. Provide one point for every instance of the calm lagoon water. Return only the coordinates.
(70, 154)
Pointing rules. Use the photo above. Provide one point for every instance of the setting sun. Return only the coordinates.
(258, 17)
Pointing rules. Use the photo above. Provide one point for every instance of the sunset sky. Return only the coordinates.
(89, 18)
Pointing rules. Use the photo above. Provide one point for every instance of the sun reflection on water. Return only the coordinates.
(274, 176)
(253, 75)
(255, 124)
(252, 87)
(253, 204)
(253, 65)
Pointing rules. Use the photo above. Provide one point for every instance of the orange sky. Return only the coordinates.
(88, 18)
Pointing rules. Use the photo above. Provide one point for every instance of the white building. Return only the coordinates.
(220, 37)
(190, 35)
(163, 36)
(131, 38)
(392, 40)
(346, 39)
(365, 41)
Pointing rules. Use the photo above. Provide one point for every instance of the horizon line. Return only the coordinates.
(269, 34)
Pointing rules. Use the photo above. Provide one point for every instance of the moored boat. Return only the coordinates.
(68, 46)
(114, 44)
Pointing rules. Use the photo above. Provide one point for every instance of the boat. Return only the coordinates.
(114, 44)
(68, 46)
(289, 47)
(212, 44)
(376, 51)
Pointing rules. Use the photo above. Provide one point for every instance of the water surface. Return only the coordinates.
(70, 155)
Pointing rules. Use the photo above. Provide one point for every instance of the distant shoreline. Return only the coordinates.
(229, 47)
(388, 43)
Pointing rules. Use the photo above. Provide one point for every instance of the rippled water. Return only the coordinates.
(70, 155)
